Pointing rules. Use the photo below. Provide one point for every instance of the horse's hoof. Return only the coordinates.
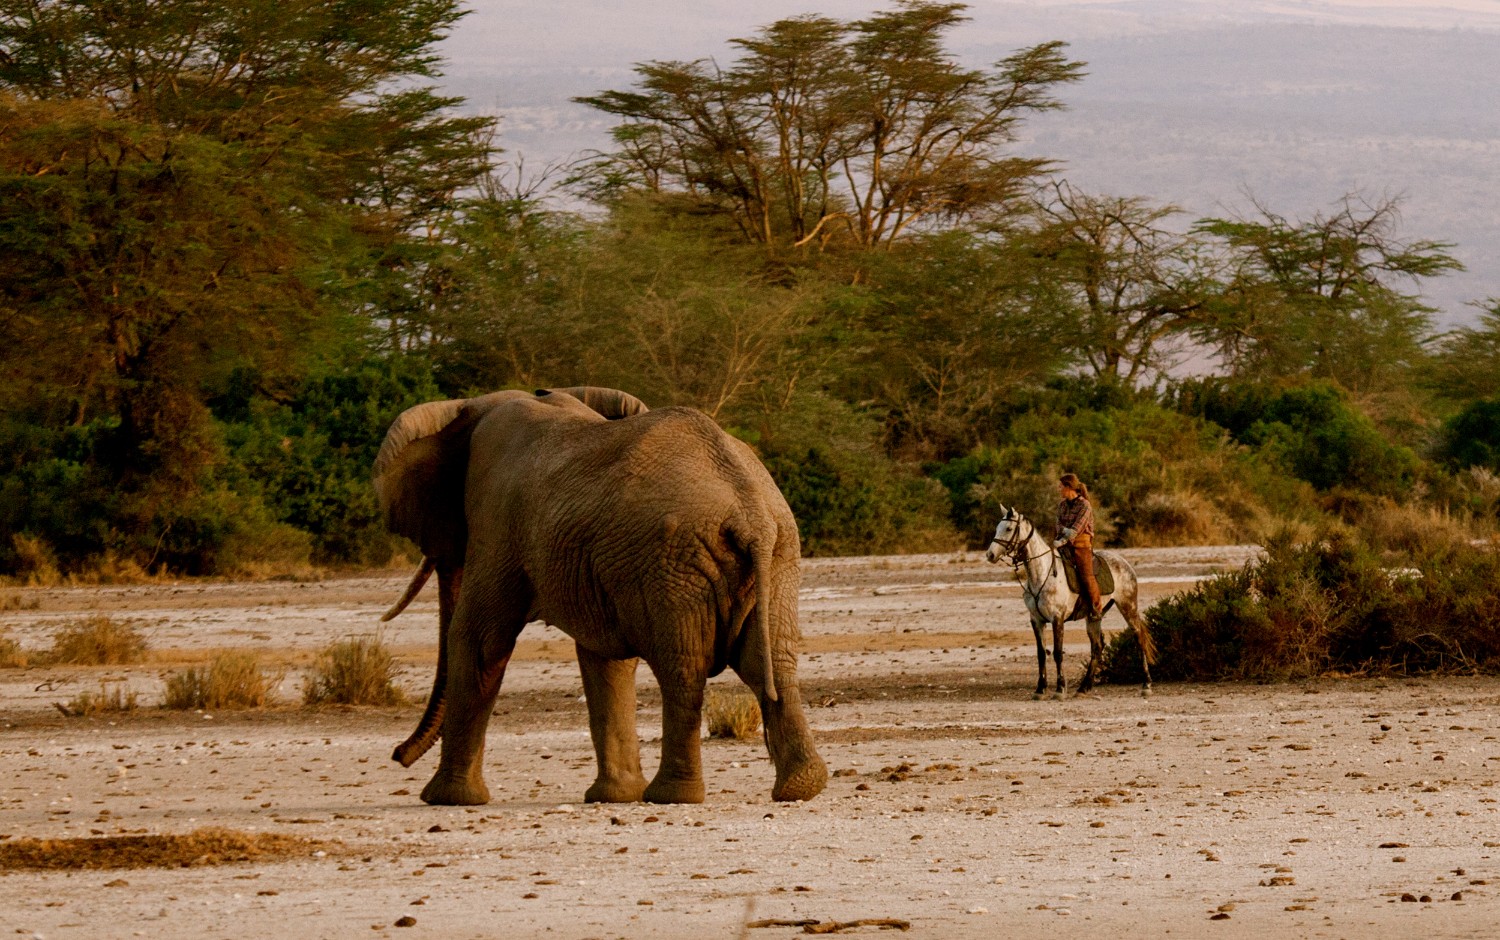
(1146, 692)
(1036, 696)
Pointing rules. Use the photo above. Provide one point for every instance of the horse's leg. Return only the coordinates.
(1041, 659)
(1096, 656)
(1131, 609)
(1057, 655)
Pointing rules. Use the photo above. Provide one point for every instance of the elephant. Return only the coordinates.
(642, 534)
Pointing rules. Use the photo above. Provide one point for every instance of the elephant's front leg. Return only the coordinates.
(479, 649)
(679, 779)
(609, 687)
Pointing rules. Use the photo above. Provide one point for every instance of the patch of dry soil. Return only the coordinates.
(959, 806)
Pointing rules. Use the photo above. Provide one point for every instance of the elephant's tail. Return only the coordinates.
(760, 558)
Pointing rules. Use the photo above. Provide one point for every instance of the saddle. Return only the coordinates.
(1102, 574)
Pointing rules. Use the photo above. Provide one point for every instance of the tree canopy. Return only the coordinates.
(832, 131)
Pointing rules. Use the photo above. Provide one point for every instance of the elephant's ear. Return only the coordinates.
(610, 402)
(419, 477)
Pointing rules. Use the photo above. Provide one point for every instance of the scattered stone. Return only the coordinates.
(406, 922)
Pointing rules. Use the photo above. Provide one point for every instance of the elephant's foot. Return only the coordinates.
(446, 789)
(801, 782)
(674, 791)
(610, 790)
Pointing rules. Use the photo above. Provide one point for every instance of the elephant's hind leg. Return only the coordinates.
(800, 772)
(679, 779)
(609, 687)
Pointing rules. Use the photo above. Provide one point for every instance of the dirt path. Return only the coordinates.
(958, 805)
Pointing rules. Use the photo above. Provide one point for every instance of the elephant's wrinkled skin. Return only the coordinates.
(653, 536)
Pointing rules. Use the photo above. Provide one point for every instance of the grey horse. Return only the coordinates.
(1049, 599)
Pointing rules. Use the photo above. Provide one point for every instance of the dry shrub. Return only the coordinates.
(732, 715)
(1179, 517)
(112, 698)
(232, 679)
(97, 641)
(354, 671)
(1390, 527)
(110, 568)
(18, 602)
(11, 654)
(35, 561)
(211, 846)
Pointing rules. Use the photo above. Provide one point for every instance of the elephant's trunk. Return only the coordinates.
(412, 589)
(430, 728)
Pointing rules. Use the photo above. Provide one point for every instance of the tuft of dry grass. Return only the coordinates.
(232, 679)
(112, 698)
(354, 671)
(211, 846)
(11, 654)
(732, 715)
(97, 641)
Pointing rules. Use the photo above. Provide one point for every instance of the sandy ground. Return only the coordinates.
(958, 805)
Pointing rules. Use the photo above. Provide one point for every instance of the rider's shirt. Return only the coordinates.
(1075, 514)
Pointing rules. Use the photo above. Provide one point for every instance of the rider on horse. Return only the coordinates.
(1075, 534)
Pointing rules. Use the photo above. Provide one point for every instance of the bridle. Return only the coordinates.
(1015, 546)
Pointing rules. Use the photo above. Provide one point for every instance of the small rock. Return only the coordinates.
(406, 922)
(977, 910)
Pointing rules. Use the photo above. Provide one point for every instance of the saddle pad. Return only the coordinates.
(1102, 574)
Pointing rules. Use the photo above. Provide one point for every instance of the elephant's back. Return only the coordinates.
(664, 508)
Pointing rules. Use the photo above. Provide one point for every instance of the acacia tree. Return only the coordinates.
(1130, 285)
(1466, 364)
(1321, 298)
(191, 188)
(825, 130)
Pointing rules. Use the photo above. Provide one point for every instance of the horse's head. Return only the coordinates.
(1007, 538)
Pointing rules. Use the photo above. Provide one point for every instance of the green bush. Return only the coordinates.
(1311, 430)
(848, 496)
(1471, 438)
(308, 460)
(1155, 477)
(1333, 604)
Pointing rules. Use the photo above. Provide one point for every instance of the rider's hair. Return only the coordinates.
(1071, 481)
